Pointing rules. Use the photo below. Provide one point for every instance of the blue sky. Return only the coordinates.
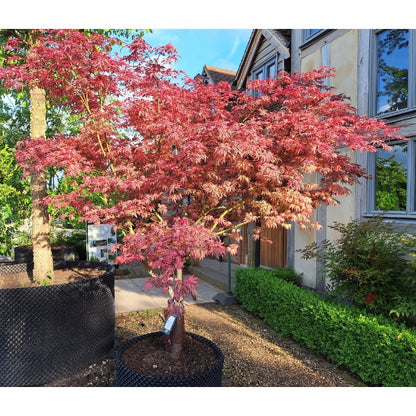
(222, 48)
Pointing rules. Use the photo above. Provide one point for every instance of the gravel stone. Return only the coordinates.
(255, 355)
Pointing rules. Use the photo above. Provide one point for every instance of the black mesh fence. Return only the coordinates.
(126, 377)
(51, 332)
(14, 268)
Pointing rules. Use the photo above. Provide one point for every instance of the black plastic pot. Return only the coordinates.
(51, 332)
(125, 377)
(60, 252)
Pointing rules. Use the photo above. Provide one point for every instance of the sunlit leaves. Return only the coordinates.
(173, 164)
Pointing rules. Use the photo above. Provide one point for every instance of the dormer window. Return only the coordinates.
(266, 70)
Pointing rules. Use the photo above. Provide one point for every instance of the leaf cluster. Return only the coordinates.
(371, 264)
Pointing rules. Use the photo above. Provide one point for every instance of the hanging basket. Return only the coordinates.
(125, 377)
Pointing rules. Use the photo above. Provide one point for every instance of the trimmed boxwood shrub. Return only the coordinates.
(286, 274)
(380, 351)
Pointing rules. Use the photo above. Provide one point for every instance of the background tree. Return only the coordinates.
(43, 121)
(14, 197)
(176, 166)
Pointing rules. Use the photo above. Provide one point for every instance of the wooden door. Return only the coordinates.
(273, 254)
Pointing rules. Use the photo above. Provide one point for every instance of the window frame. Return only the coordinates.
(263, 67)
(411, 106)
(308, 34)
(410, 212)
(309, 38)
(393, 117)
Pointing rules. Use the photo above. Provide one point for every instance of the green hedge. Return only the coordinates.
(380, 351)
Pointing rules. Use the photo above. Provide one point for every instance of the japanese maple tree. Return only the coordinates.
(176, 163)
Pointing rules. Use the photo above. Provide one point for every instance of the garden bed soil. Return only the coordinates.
(151, 357)
(60, 276)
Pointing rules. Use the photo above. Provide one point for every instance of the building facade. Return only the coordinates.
(375, 69)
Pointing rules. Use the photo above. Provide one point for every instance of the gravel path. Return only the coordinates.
(255, 355)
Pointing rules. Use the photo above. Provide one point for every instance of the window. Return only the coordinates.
(259, 74)
(393, 184)
(271, 70)
(265, 71)
(393, 96)
(391, 178)
(394, 72)
(310, 35)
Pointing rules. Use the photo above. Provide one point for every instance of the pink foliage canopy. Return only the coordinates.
(174, 162)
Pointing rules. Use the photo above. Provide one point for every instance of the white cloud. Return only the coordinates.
(236, 44)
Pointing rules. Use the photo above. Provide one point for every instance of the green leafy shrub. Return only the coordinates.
(286, 274)
(370, 264)
(381, 351)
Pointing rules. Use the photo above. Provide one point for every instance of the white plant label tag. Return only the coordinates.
(169, 323)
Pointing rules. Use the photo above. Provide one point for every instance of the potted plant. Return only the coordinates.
(174, 163)
(51, 329)
(46, 312)
(179, 358)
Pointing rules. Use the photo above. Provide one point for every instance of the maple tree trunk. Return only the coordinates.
(42, 253)
(177, 339)
(251, 246)
(177, 335)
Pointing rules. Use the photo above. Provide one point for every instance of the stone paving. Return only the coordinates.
(130, 297)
